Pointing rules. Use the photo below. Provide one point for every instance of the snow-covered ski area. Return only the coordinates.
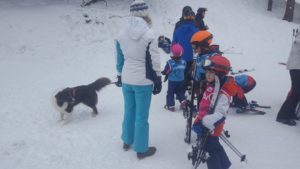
(47, 45)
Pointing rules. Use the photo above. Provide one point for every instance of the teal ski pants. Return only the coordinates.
(135, 127)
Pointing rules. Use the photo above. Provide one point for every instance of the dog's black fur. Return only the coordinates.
(85, 94)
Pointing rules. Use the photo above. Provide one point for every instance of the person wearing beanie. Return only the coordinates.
(199, 19)
(139, 75)
(174, 72)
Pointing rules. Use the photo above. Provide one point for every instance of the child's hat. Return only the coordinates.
(139, 8)
(176, 50)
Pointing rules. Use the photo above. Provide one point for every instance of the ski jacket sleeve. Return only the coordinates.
(155, 57)
(240, 93)
(294, 58)
(119, 58)
(167, 69)
(222, 106)
(153, 67)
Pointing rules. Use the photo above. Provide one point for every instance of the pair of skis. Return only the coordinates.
(190, 109)
(252, 107)
(236, 72)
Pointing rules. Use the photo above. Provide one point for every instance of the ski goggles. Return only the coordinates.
(209, 65)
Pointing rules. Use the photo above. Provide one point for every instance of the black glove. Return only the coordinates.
(157, 86)
(118, 83)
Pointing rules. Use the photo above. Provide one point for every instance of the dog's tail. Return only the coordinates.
(100, 83)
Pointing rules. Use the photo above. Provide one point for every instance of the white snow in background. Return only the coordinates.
(46, 45)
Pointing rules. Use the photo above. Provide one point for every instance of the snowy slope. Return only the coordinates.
(46, 45)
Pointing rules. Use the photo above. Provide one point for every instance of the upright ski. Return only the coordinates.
(189, 111)
(198, 153)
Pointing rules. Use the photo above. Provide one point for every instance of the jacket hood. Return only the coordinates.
(137, 27)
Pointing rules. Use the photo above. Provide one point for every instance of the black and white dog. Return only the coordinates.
(66, 99)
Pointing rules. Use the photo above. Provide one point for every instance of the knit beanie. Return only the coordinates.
(139, 8)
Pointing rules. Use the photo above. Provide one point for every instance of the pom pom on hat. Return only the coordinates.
(139, 8)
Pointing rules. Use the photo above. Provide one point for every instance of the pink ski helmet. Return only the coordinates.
(176, 50)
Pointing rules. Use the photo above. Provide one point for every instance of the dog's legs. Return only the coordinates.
(95, 111)
(62, 115)
(62, 111)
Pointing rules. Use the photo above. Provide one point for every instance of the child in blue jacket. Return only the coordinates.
(174, 71)
(245, 84)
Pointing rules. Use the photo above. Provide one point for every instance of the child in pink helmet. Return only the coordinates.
(174, 72)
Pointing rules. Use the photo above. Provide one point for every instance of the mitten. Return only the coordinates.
(157, 86)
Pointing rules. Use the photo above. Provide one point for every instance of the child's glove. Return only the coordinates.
(166, 78)
(199, 128)
(118, 83)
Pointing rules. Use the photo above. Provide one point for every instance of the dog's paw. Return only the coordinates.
(94, 114)
(62, 116)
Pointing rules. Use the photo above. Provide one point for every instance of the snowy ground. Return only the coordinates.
(47, 45)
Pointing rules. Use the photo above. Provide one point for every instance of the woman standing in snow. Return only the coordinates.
(287, 112)
(138, 65)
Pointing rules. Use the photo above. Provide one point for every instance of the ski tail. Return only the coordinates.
(198, 153)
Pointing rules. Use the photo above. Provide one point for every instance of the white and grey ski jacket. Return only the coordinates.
(294, 58)
(134, 44)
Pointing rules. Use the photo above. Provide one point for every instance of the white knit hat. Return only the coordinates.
(139, 8)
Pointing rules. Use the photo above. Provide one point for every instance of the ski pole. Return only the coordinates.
(233, 148)
(234, 53)
(226, 133)
(227, 49)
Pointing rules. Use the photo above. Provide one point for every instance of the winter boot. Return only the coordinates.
(289, 122)
(126, 147)
(170, 108)
(151, 151)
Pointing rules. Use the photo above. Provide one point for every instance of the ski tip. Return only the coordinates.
(243, 158)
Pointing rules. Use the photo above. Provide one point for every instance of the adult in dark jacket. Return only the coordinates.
(286, 114)
(182, 35)
(199, 19)
(187, 10)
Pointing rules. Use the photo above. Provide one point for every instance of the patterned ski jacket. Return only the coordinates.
(138, 59)
(175, 70)
(199, 71)
(215, 121)
(245, 83)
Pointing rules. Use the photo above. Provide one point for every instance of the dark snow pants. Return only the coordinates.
(175, 88)
(288, 109)
(218, 158)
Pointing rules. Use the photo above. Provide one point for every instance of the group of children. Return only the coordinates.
(179, 68)
(194, 58)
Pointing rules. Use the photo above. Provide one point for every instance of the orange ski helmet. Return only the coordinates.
(202, 38)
